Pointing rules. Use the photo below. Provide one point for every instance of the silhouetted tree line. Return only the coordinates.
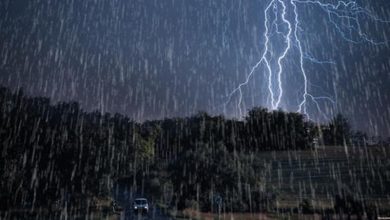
(50, 151)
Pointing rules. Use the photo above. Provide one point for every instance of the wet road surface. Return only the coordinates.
(125, 198)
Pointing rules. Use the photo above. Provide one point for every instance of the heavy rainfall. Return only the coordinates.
(195, 109)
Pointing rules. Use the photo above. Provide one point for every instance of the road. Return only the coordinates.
(125, 197)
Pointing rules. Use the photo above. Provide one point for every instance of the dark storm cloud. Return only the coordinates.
(146, 58)
(154, 59)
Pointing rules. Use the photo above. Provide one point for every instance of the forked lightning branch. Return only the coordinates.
(282, 19)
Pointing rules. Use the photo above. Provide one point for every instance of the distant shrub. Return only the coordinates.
(306, 207)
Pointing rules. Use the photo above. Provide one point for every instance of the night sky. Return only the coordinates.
(151, 59)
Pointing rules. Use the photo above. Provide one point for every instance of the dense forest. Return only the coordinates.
(50, 151)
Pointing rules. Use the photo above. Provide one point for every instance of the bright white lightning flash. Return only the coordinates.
(351, 31)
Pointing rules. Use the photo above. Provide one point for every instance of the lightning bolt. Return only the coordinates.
(276, 103)
(289, 29)
(262, 60)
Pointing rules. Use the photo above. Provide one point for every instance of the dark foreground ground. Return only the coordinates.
(126, 214)
(315, 175)
(123, 198)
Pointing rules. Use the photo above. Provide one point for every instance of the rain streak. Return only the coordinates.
(152, 109)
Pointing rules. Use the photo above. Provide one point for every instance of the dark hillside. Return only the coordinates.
(53, 152)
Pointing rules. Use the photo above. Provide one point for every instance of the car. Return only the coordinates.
(141, 205)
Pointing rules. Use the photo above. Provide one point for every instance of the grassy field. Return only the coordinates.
(320, 174)
(317, 176)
